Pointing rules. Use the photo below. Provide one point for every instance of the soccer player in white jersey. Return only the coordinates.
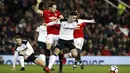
(65, 37)
(25, 49)
(40, 38)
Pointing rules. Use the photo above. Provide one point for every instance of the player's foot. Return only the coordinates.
(112, 72)
(52, 69)
(22, 69)
(74, 67)
(82, 66)
(60, 71)
(47, 70)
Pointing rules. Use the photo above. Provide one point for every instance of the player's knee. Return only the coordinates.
(48, 46)
(74, 53)
(40, 62)
(57, 51)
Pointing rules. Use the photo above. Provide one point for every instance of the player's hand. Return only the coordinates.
(13, 68)
(39, 1)
(93, 21)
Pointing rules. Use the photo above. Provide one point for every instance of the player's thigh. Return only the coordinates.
(56, 38)
(70, 44)
(31, 58)
(78, 42)
(60, 44)
(50, 39)
(41, 45)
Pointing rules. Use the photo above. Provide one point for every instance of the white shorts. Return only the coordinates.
(52, 39)
(78, 42)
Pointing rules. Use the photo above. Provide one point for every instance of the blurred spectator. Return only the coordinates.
(113, 51)
(106, 51)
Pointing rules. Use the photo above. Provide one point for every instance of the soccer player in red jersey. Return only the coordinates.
(79, 41)
(49, 15)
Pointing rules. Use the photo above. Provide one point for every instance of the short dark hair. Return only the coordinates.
(51, 4)
(73, 13)
(17, 37)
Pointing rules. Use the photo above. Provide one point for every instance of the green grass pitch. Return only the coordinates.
(67, 69)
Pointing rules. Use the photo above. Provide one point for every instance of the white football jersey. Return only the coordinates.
(42, 33)
(67, 29)
(25, 49)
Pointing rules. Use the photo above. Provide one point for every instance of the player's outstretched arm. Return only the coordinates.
(36, 8)
(85, 21)
(14, 60)
(61, 17)
(54, 22)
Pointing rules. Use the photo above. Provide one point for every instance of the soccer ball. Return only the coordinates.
(113, 69)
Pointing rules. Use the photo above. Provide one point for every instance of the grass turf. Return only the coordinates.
(67, 69)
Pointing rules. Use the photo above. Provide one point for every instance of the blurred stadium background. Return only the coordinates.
(110, 34)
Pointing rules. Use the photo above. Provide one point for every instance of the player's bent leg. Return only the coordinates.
(47, 53)
(61, 65)
(56, 51)
(53, 57)
(21, 58)
(52, 60)
(40, 62)
(49, 46)
(74, 53)
(78, 59)
(78, 42)
(50, 41)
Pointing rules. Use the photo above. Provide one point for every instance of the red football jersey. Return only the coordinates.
(78, 33)
(48, 17)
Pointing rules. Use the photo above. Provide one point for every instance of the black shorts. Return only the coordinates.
(62, 44)
(31, 58)
(41, 45)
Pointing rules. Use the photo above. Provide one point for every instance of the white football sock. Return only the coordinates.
(21, 58)
(51, 61)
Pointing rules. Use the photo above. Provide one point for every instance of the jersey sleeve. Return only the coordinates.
(83, 24)
(53, 23)
(15, 47)
(85, 21)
